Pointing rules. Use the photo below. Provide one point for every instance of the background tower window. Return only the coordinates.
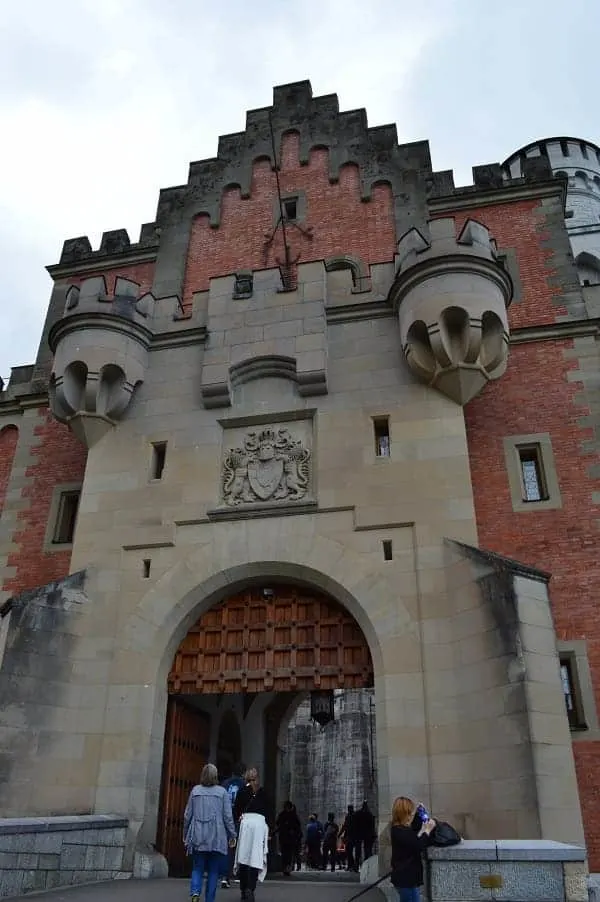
(532, 474)
(564, 148)
(381, 430)
(66, 517)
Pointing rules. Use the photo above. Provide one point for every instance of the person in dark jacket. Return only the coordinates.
(348, 834)
(289, 831)
(365, 833)
(232, 786)
(409, 839)
(314, 837)
(330, 841)
(250, 800)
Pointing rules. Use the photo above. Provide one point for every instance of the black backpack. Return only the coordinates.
(444, 834)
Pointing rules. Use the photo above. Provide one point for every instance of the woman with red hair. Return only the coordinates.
(410, 836)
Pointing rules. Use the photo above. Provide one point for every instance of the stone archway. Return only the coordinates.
(223, 563)
(276, 637)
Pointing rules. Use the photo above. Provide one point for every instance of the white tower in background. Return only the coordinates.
(579, 161)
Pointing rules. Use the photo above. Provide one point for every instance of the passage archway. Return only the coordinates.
(276, 639)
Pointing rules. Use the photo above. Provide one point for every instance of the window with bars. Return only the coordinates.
(571, 693)
(533, 478)
(381, 430)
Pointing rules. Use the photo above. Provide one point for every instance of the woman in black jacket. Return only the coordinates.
(409, 839)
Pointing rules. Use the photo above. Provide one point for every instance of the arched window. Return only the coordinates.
(588, 268)
(354, 266)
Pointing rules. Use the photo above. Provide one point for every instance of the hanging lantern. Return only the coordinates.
(321, 706)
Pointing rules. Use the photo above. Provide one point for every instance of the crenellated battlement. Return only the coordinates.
(473, 240)
(91, 296)
(114, 243)
(319, 123)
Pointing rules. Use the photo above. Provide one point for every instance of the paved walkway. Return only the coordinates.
(304, 890)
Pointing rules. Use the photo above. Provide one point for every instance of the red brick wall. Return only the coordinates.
(59, 458)
(142, 273)
(519, 225)
(342, 223)
(9, 437)
(535, 395)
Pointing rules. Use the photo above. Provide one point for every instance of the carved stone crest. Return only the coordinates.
(271, 465)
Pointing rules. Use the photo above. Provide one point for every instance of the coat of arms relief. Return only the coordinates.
(271, 465)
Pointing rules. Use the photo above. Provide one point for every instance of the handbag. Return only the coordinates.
(444, 834)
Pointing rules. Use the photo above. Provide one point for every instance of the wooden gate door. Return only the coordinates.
(282, 639)
(187, 741)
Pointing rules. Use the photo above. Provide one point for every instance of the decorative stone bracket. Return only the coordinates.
(451, 294)
(100, 347)
(217, 393)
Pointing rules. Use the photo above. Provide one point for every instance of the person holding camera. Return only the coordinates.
(410, 834)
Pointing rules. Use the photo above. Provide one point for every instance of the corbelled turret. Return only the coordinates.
(100, 347)
(451, 294)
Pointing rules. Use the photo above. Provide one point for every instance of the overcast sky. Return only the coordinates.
(102, 102)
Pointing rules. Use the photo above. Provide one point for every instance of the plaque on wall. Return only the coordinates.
(269, 464)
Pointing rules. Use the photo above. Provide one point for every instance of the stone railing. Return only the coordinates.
(536, 870)
(503, 870)
(41, 853)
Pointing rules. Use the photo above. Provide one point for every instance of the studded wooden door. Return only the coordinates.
(281, 639)
(187, 741)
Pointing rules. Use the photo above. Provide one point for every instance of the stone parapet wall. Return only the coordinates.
(43, 853)
(508, 871)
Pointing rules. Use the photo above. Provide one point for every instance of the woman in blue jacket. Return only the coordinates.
(208, 830)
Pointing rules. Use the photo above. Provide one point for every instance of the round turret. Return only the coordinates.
(451, 295)
(579, 163)
(100, 355)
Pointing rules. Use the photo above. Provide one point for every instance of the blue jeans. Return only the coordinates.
(408, 893)
(209, 863)
(226, 865)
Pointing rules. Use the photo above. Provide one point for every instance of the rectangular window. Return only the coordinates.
(571, 693)
(387, 550)
(533, 479)
(66, 517)
(159, 455)
(290, 209)
(381, 429)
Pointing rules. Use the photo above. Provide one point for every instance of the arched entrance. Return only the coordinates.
(281, 639)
